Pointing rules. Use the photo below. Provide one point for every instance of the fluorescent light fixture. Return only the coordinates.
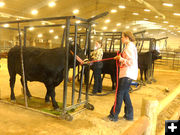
(43, 23)
(51, 4)
(135, 13)
(177, 14)
(122, 6)
(76, 11)
(147, 10)
(118, 24)
(165, 21)
(78, 21)
(56, 37)
(94, 25)
(31, 28)
(104, 28)
(113, 11)
(34, 12)
(164, 28)
(40, 35)
(2, 4)
(51, 31)
(107, 21)
(63, 26)
(114, 30)
(167, 4)
(6, 25)
(127, 27)
(79, 29)
(134, 29)
(171, 26)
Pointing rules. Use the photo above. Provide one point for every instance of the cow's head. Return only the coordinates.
(79, 51)
(156, 55)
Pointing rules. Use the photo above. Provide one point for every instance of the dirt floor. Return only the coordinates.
(15, 120)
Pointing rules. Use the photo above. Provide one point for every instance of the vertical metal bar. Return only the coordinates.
(89, 46)
(112, 41)
(120, 49)
(25, 29)
(80, 41)
(74, 67)
(82, 72)
(66, 63)
(62, 41)
(106, 45)
(150, 49)
(22, 66)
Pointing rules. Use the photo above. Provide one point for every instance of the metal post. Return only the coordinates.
(82, 71)
(22, 66)
(106, 45)
(89, 46)
(74, 67)
(25, 29)
(120, 42)
(62, 41)
(66, 63)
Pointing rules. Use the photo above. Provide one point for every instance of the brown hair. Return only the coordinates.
(100, 42)
(130, 35)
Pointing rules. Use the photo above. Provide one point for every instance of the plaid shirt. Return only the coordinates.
(97, 54)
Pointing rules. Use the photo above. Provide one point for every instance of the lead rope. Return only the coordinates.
(117, 80)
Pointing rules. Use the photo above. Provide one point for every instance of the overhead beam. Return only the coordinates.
(151, 7)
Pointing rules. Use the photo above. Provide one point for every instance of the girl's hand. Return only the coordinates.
(118, 57)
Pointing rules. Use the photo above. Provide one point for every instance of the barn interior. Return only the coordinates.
(147, 19)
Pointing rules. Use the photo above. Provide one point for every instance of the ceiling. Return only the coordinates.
(159, 19)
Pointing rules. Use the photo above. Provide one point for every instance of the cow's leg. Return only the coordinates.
(113, 79)
(47, 97)
(27, 89)
(146, 74)
(51, 92)
(12, 83)
(141, 73)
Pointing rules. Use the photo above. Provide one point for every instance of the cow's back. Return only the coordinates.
(39, 63)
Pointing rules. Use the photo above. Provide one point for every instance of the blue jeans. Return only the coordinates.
(123, 95)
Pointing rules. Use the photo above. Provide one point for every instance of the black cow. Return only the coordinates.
(109, 67)
(43, 65)
(145, 61)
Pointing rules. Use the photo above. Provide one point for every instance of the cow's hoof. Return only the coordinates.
(13, 101)
(149, 82)
(47, 102)
(30, 97)
(89, 106)
(57, 109)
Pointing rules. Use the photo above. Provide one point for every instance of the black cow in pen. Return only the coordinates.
(145, 62)
(43, 65)
(109, 67)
